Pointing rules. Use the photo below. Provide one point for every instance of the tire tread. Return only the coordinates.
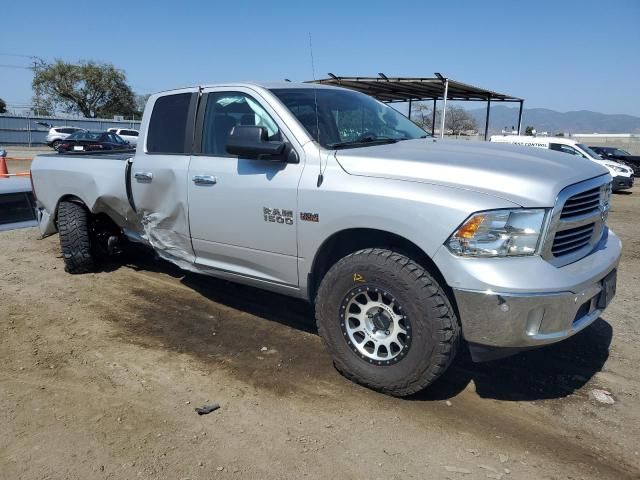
(75, 238)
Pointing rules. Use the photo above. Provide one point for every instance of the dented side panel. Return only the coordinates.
(162, 205)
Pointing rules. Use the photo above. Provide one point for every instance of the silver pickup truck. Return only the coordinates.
(405, 244)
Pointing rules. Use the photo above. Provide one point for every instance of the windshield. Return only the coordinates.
(347, 119)
(82, 135)
(588, 151)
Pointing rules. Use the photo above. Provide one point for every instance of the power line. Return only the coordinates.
(14, 66)
(17, 55)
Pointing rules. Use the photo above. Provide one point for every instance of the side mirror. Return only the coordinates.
(253, 141)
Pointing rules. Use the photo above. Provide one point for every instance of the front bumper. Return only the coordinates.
(621, 183)
(524, 302)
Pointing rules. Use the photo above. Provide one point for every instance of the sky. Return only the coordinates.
(562, 55)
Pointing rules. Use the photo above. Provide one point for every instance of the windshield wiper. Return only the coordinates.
(365, 141)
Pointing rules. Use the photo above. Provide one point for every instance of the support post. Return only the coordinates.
(520, 116)
(444, 105)
(409, 109)
(433, 118)
(29, 127)
(486, 122)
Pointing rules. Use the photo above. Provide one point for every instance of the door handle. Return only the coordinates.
(204, 180)
(143, 176)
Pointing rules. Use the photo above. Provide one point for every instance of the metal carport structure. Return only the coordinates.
(419, 89)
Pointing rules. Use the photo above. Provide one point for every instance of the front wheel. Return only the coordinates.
(386, 322)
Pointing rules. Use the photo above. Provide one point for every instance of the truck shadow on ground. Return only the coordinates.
(246, 317)
(554, 371)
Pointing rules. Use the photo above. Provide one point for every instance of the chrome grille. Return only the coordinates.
(567, 241)
(581, 204)
(578, 221)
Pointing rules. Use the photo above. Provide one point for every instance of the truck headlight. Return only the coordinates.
(619, 169)
(498, 233)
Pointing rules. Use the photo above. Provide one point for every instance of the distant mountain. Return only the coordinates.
(545, 120)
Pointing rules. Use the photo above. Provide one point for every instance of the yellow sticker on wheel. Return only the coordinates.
(358, 278)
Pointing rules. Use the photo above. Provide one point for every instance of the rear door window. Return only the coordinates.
(168, 125)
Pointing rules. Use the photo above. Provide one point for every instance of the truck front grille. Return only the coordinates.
(581, 204)
(567, 241)
(578, 221)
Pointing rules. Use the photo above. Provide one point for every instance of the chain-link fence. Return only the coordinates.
(32, 130)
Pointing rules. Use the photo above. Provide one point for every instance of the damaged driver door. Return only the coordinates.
(159, 174)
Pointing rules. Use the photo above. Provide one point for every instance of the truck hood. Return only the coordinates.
(529, 177)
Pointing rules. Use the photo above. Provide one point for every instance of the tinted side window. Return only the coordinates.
(168, 124)
(224, 111)
(130, 133)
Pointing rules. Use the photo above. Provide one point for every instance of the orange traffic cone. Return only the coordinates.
(4, 173)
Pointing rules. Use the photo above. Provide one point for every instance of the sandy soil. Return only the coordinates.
(100, 375)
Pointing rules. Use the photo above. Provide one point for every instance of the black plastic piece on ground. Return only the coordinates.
(206, 409)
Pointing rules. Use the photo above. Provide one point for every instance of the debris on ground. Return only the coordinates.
(463, 471)
(487, 467)
(602, 396)
(206, 409)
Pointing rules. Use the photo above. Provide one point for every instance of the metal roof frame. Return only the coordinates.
(410, 89)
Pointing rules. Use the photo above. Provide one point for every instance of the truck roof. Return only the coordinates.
(267, 85)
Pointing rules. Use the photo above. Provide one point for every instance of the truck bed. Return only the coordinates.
(98, 179)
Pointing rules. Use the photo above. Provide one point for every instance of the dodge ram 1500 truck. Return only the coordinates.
(405, 244)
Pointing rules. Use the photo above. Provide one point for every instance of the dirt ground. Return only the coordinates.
(100, 375)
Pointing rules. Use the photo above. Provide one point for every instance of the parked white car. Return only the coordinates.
(127, 134)
(622, 175)
(57, 134)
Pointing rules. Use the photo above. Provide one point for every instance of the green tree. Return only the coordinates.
(529, 130)
(89, 88)
(3, 106)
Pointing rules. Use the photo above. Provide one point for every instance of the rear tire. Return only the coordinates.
(55, 144)
(75, 238)
(390, 292)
